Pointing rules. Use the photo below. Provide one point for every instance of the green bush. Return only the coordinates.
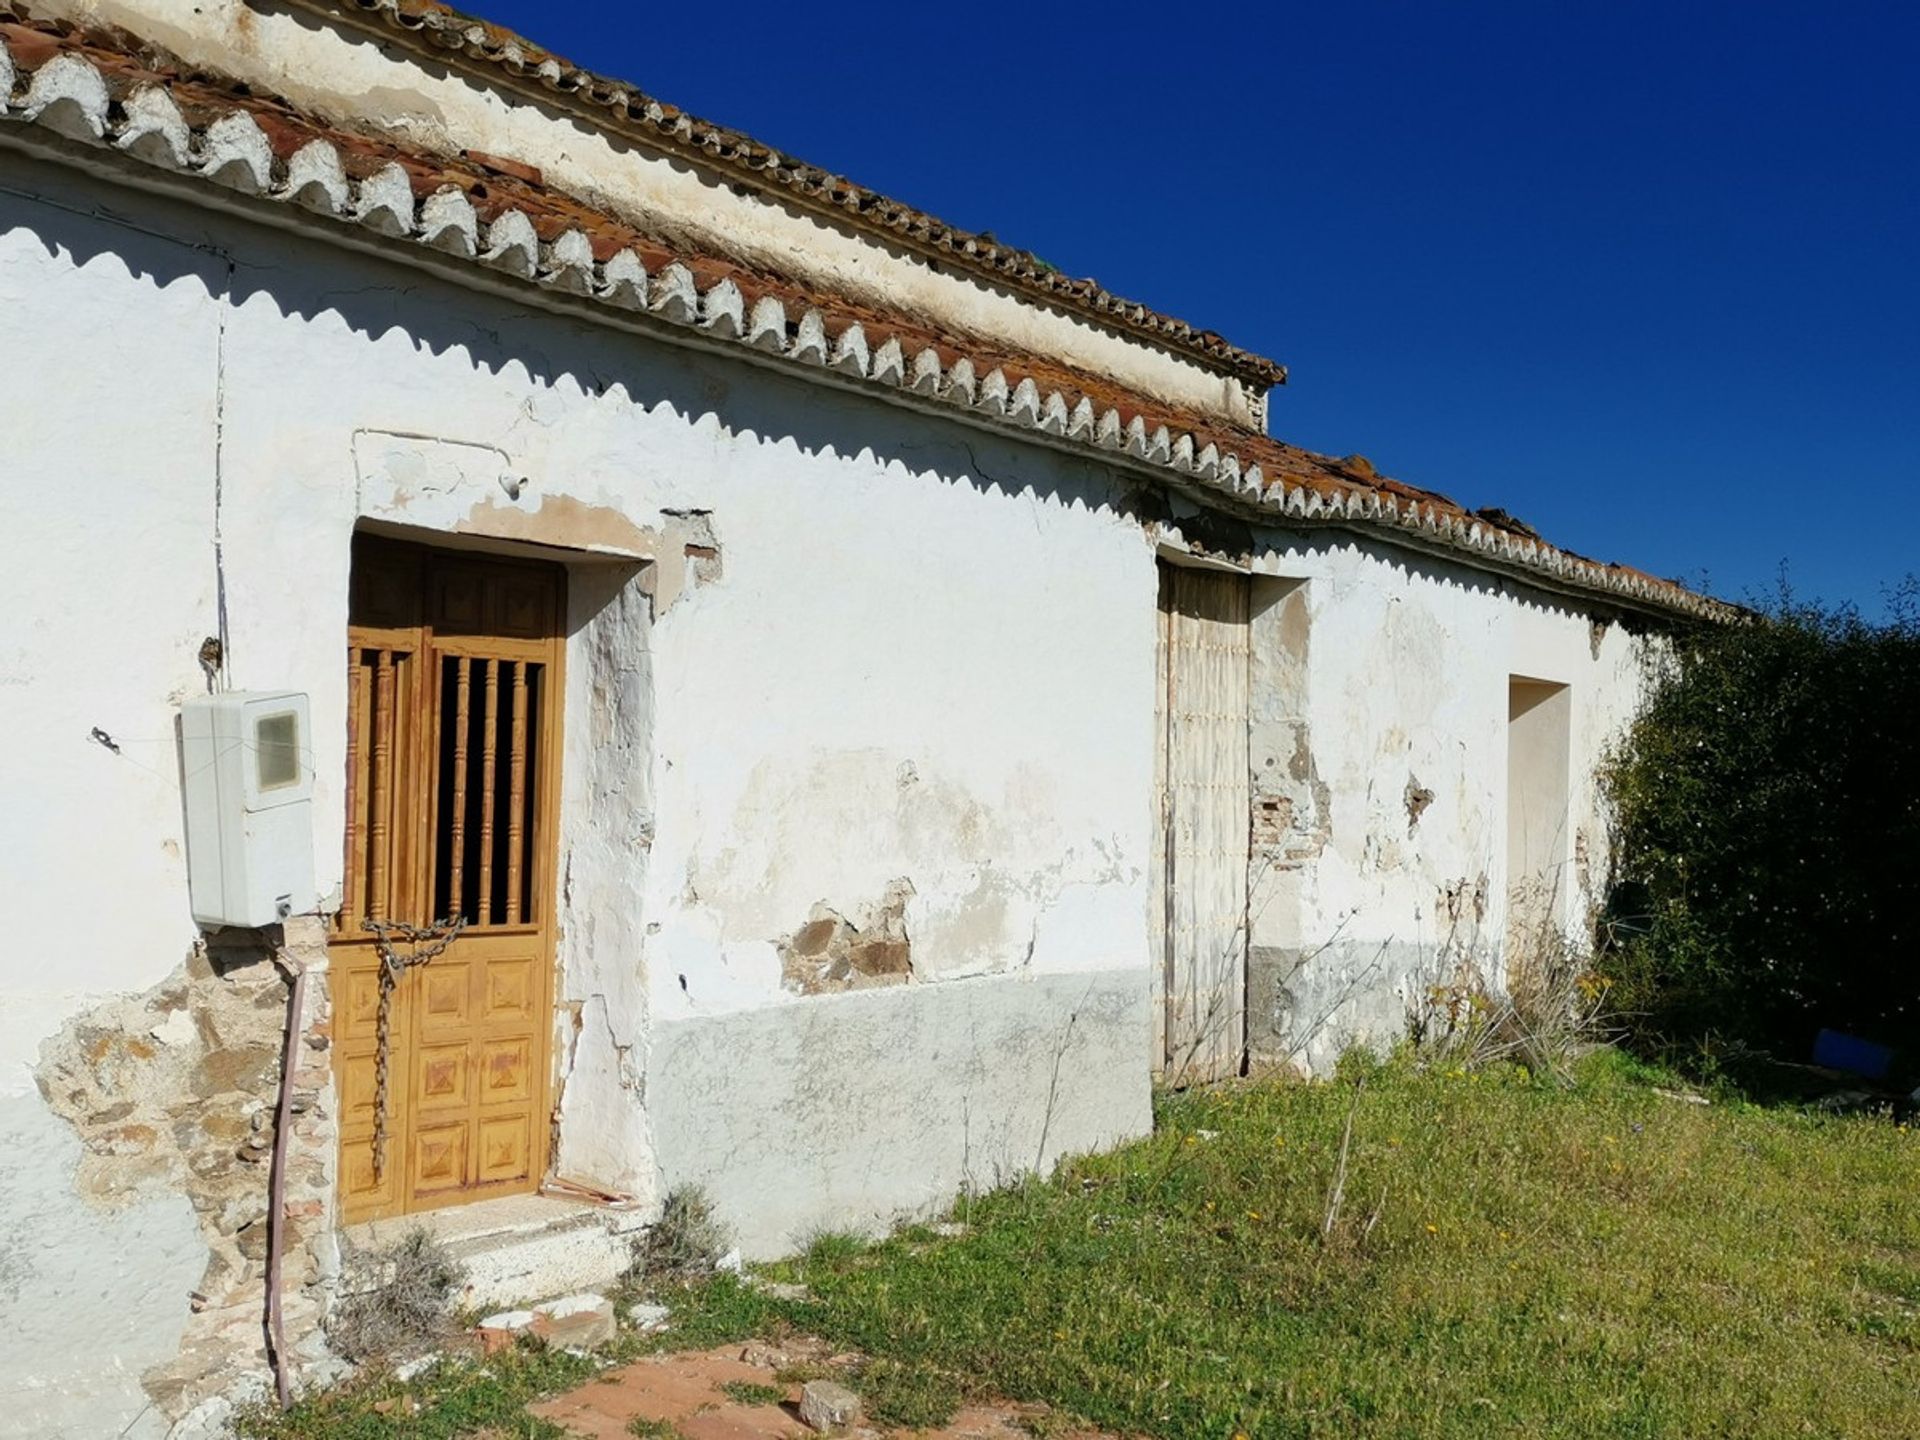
(1767, 857)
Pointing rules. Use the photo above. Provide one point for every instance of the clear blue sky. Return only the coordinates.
(1645, 274)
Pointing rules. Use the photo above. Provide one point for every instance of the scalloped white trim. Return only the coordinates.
(69, 95)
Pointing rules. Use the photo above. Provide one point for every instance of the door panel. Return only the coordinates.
(1206, 811)
(453, 769)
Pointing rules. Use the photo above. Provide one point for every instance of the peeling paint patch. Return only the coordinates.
(1464, 901)
(463, 487)
(830, 953)
(1293, 814)
(561, 520)
(686, 555)
(1418, 798)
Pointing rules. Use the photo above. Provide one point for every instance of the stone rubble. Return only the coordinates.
(645, 1316)
(576, 1322)
(827, 1405)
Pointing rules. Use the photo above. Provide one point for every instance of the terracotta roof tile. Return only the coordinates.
(617, 105)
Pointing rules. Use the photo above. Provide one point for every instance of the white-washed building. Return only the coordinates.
(873, 701)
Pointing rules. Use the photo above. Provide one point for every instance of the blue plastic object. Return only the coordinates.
(1850, 1053)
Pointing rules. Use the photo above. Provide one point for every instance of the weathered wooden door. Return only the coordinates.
(1200, 888)
(453, 778)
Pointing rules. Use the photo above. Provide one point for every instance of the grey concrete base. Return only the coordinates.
(1303, 1012)
(855, 1111)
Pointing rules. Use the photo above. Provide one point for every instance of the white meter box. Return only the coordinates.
(247, 770)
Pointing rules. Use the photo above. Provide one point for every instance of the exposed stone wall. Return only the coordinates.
(175, 1091)
(832, 952)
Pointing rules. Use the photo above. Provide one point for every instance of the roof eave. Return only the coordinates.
(65, 114)
(625, 110)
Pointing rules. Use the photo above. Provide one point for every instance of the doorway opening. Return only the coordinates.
(1539, 715)
(1200, 875)
(453, 750)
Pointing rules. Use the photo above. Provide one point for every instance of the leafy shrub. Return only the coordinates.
(1768, 832)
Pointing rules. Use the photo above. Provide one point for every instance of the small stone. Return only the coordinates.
(576, 1322)
(645, 1316)
(949, 1229)
(730, 1263)
(507, 1320)
(826, 1405)
(778, 1289)
(176, 1029)
(326, 1255)
(499, 1331)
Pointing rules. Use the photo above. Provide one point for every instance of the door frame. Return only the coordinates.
(1225, 1057)
(416, 850)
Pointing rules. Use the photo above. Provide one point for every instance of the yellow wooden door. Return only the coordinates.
(453, 783)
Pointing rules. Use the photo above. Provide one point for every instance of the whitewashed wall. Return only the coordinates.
(928, 655)
(1404, 690)
(107, 596)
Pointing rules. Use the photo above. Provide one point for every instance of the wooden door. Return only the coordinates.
(453, 782)
(1200, 884)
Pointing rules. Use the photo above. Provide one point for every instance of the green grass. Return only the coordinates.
(1511, 1257)
(911, 1395)
(448, 1401)
(746, 1392)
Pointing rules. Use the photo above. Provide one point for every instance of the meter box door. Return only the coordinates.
(247, 771)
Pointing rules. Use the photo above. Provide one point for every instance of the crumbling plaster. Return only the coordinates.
(171, 1095)
(84, 1324)
(94, 1294)
(1380, 774)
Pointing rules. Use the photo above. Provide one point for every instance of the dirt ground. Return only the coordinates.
(686, 1391)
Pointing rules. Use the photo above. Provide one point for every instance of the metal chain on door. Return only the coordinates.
(393, 966)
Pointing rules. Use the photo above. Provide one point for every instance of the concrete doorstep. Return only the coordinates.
(519, 1246)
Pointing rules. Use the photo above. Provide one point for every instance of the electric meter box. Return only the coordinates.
(247, 772)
